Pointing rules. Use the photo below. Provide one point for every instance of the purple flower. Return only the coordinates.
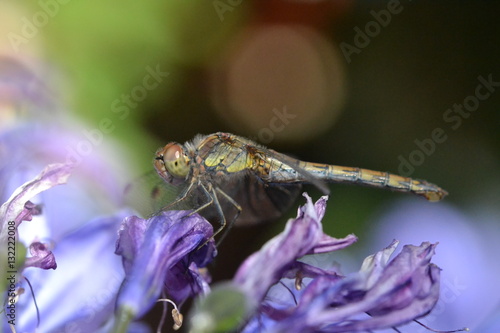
(278, 258)
(163, 255)
(287, 287)
(467, 236)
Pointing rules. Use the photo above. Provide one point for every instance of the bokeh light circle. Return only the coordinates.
(279, 82)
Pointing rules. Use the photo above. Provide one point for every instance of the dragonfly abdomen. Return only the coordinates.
(341, 174)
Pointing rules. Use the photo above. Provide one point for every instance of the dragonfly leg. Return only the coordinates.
(185, 194)
(219, 212)
(235, 217)
(211, 200)
(212, 195)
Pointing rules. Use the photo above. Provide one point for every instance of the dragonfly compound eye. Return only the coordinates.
(175, 161)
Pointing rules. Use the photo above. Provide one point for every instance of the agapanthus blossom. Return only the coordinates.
(285, 291)
(163, 254)
(466, 299)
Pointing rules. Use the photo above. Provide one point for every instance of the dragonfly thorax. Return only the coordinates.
(172, 163)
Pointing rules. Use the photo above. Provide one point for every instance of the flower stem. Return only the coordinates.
(123, 319)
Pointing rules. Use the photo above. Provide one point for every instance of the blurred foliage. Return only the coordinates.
(103, 50)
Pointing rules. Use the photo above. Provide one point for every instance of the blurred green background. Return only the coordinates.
(233, 66)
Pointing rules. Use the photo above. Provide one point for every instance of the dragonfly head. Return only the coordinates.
(172, 163)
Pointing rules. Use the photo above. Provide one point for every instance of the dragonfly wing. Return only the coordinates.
(260, 201)
(149, 194)
(305, 175)
(270, 157)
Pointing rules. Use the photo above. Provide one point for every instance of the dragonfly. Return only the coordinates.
(221, 172)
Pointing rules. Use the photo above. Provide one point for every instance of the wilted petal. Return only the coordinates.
(328, 244)
(373, 266)
(303, 235)
(18, 208)
(41, 257)
(163, 254)
(410, 283)
(52, 175)
(407, 288)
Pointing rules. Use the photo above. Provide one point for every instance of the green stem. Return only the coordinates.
(122, 320)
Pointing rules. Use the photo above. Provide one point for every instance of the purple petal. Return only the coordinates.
(161, 254)
(41, 257)
(131, 238)
(80, 295)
